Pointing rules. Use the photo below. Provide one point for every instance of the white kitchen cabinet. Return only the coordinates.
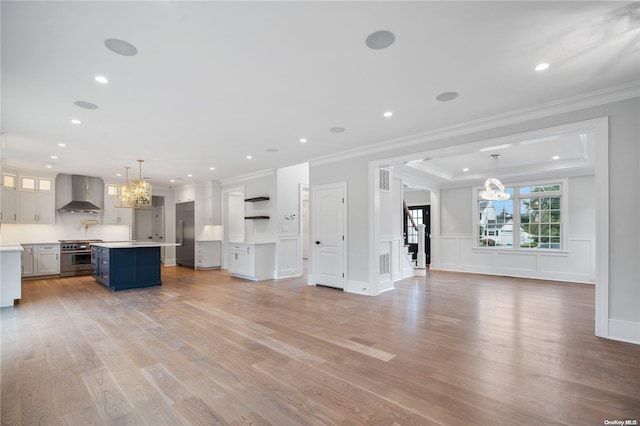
(252, 261)
(40, 184)
(9, 205)
(10, 283)
(208, 255)
(186, 193)
(35, 207)
(47, 259)
(28, 260)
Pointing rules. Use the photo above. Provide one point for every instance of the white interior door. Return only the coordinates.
(328, 221)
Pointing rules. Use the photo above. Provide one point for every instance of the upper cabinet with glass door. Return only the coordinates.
(29, 183)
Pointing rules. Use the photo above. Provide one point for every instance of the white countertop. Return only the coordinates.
(134, 244)
(10, 248)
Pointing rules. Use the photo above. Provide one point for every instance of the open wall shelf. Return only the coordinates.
(256, 199)
(256, 217)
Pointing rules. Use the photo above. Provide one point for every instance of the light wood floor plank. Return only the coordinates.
(206, 348)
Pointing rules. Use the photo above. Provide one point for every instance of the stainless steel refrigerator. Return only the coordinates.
(185, 234)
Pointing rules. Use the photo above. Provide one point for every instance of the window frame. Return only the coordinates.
(563, 194)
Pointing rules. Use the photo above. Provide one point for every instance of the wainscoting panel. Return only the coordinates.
(575, 264)
(288, 256)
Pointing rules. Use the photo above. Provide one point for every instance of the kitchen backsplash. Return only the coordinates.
(67, 227)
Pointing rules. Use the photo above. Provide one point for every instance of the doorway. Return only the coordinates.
(148, 223)
(420, 215)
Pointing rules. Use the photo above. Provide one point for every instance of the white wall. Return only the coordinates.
(417, 198)
(355, 172)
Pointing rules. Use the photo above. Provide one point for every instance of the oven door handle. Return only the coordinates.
(76, 251)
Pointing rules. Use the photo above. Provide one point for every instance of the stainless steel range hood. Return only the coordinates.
(86, 193)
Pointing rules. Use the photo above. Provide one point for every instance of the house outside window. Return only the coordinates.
(533, 218)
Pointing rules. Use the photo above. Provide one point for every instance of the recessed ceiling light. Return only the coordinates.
(337, 129)
(465, 169)
(556, 157)
(62, 145)
(388, 114)
(120, 47)
(212, 168)
(248, 157)
(380, 39)
(118, 174)
(447, 96)
(303, 140)
(74, 121)
(48, 166)
(55, 157)
(85, 105)
(172, 180)
(102, 79)
(189, 175)
(541, 67)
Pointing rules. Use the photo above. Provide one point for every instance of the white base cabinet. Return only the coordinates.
(40, 259)
(208, 255)
(252, 261)
(10, 285)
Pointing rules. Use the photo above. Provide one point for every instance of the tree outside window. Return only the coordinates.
(530, 219)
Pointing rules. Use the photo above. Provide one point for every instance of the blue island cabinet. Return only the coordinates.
(124, 268)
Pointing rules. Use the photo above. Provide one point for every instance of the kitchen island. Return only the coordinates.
(127, 265)
(10, 283)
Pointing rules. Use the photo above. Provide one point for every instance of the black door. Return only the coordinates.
(420, 214)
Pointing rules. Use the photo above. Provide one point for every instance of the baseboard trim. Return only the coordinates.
(624, 331)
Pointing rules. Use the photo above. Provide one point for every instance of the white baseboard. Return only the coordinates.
(624, 331)
(358, 287)
(169, 262)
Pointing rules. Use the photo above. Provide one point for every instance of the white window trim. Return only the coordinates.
(564, 209)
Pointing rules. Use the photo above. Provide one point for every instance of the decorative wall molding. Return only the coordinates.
(624, 331)
(288, 256)
(588, 100)
(576, 264)
(250, 176)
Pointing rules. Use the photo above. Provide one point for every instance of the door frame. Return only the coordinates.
(224, 195)
(426, 208)
(313, 232)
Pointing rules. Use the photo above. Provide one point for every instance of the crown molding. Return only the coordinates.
(249, 176)
(588, 100)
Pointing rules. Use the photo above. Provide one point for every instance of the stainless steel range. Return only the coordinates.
(75, 257)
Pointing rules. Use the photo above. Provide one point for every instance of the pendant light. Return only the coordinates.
(493, 188)
(134, 193)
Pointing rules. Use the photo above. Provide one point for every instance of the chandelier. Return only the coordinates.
(493, 188)
(134, 193)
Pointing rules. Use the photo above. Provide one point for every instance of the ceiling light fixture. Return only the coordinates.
(388, 114)
(75, 121)
(102, 79)
(494, 194)
(541, 67)
(189, 175)
(212, 168)
(55, 157)
(465, 169)
(248, 157)
(303, 140)
(48, 166)
(134, 193)
(556, 157)
(62, 145)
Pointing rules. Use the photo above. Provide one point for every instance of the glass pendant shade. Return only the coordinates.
(493, 188)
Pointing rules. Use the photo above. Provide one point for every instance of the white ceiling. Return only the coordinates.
(214, 82)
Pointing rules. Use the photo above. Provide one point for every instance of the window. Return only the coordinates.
(531, 218)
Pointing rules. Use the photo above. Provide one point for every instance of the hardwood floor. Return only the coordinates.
(205, 348)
